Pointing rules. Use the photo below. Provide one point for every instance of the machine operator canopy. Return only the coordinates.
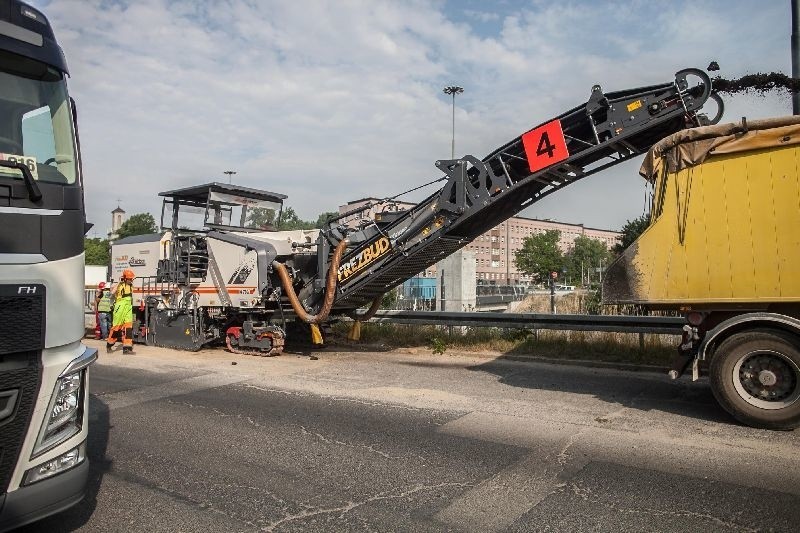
(220, 206)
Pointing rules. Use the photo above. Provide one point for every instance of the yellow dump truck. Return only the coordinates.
(723, 246)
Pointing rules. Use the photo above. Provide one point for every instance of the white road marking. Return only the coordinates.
(561, 449)
(497, 502)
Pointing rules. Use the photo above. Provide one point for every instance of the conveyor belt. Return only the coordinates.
(480, 194)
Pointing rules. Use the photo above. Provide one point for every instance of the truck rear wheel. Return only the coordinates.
(755, 376)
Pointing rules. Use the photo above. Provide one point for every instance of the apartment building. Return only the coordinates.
(494, 250)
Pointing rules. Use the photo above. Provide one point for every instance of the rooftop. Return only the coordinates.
(201, 193)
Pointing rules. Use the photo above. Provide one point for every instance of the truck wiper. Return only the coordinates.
(33, 190)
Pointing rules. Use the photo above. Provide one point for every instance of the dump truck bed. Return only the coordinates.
(725, 221)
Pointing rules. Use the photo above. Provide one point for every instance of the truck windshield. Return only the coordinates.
(36, 129)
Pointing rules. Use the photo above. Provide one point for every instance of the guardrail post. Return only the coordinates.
(641, 342)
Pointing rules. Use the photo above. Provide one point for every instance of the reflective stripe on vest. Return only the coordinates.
(104, 304)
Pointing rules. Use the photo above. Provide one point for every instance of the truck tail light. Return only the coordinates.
(695, 318)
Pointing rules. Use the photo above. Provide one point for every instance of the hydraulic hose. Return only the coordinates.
(376, 304)
(330, 287)
(355, 330)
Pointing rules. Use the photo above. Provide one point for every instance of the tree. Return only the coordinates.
(97, 251)
(540, 255)
(261, 218)
(631, 231)
(390, 298)
(264, 218)
(586, 253)
(323, 218)
(138, 224)
(289, 220)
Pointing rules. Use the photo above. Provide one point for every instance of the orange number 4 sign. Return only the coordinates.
(545, 145)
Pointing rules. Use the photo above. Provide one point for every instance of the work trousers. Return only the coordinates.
(105, 324)
(125, 331)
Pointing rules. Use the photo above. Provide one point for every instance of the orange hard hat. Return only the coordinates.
(128, 274)
(101, 285)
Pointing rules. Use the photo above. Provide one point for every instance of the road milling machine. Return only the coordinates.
(207, 278)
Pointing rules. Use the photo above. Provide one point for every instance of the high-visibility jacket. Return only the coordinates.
(104, 302)
(123, 305)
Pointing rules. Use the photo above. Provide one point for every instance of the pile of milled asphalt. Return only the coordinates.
(758, 84)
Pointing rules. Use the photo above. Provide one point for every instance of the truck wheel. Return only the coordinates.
(755, 376)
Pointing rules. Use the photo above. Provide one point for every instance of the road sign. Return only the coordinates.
(545, 145)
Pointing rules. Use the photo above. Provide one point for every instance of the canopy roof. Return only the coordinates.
(199, 193)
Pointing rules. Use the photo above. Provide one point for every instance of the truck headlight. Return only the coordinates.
(64, 418)
(64, 415)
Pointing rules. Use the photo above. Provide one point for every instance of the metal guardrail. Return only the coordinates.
(563, 322)
(612, 323)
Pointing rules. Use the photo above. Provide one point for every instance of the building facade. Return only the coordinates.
(494, 250)
(117, 219)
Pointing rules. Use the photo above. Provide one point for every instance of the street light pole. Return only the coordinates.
(453, 90)
(229, 173)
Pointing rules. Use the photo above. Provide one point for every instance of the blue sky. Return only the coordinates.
(333, 101)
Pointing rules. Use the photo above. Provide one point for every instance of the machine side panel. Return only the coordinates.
(141, 257)
(238, 269)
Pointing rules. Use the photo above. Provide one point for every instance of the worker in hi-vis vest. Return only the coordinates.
(123, 314)
(103, 308)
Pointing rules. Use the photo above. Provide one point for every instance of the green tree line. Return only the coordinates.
(540, 254)
(264, 218)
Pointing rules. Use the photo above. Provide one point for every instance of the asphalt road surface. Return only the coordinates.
(418, 442)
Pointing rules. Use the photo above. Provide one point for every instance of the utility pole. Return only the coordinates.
(229, 173)
(453, 90)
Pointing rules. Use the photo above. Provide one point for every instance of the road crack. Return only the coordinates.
(219, 413)
(335, 398)
(349, 506)
(587, 495)
(368, 447)
(563, 456)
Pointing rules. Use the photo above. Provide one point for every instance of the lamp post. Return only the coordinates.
(453, 90)
(229, 173)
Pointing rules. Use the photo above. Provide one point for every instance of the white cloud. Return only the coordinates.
(331, 101)
(481, 16)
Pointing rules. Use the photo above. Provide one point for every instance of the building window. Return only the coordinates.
(495, 264)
